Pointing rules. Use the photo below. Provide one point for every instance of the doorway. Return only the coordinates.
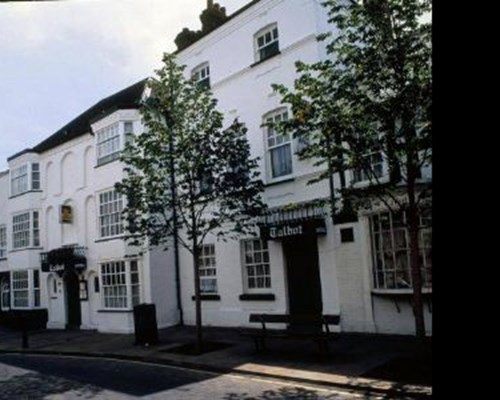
(73, 309)
(303, 279)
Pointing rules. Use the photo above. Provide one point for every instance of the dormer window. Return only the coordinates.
(267, 42)
(201, 75)
(24, 178)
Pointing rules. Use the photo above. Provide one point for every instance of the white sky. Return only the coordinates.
(59, 58)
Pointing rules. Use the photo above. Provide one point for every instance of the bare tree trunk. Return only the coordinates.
(197, 297)
(416, 275)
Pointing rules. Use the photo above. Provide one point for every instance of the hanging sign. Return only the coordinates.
(66, 215)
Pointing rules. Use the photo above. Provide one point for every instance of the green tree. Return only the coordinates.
(186, 174)
(368, 101)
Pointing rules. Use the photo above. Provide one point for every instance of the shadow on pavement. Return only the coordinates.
(135, 379)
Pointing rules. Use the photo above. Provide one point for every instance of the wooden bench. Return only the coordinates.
(316, 328)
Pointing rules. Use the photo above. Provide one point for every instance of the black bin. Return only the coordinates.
(146, 329)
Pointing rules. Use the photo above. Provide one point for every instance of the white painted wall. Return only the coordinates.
(243, 91)
(70, 176)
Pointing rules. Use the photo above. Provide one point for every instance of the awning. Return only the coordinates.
(298, 219)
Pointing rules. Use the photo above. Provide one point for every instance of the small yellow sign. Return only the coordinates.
(66, 216)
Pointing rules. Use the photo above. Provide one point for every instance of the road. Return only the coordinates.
(52, 377)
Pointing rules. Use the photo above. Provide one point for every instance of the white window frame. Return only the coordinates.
(201, 75)
(264, 40)
(275, 141)
(32, 230)
(25, 178)
(20, 285)
(376, 171)
(120, 285)
(35, 176)
(207, 263)
(3, 241)
(108, 143)
(390, 241)
(253, 260)
(19, 180)
(108, 212)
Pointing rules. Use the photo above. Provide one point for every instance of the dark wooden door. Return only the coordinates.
(303, 279)
(73, 309)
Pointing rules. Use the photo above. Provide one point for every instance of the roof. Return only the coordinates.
(129, 97)
(229, 18)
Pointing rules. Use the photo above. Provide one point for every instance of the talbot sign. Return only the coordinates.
(287, 230)
(293, 229)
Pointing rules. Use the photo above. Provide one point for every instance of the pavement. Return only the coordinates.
(391, 365)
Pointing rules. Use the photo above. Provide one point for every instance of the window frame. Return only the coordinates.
(264, 249)
(203, 269)
(29, 176)
(199, 70)
(260, 49)
(24, 289)
(33, 230)
(109, 204)
(108, 143)
(272, 116)
(381, 274)
(126, 282)
(378, 167)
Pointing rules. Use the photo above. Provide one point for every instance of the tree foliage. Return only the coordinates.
(186, 173)
(217, 183)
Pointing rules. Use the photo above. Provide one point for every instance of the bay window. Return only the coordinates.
(391, 250)
(26, 230)
(24, 178)
(111, 140)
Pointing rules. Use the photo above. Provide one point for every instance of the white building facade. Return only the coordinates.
(61, 239)
(301, 263)
(62, 246)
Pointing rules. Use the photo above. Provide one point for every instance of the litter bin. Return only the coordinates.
(146, 329)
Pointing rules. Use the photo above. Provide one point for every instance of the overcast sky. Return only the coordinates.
(58, 58)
